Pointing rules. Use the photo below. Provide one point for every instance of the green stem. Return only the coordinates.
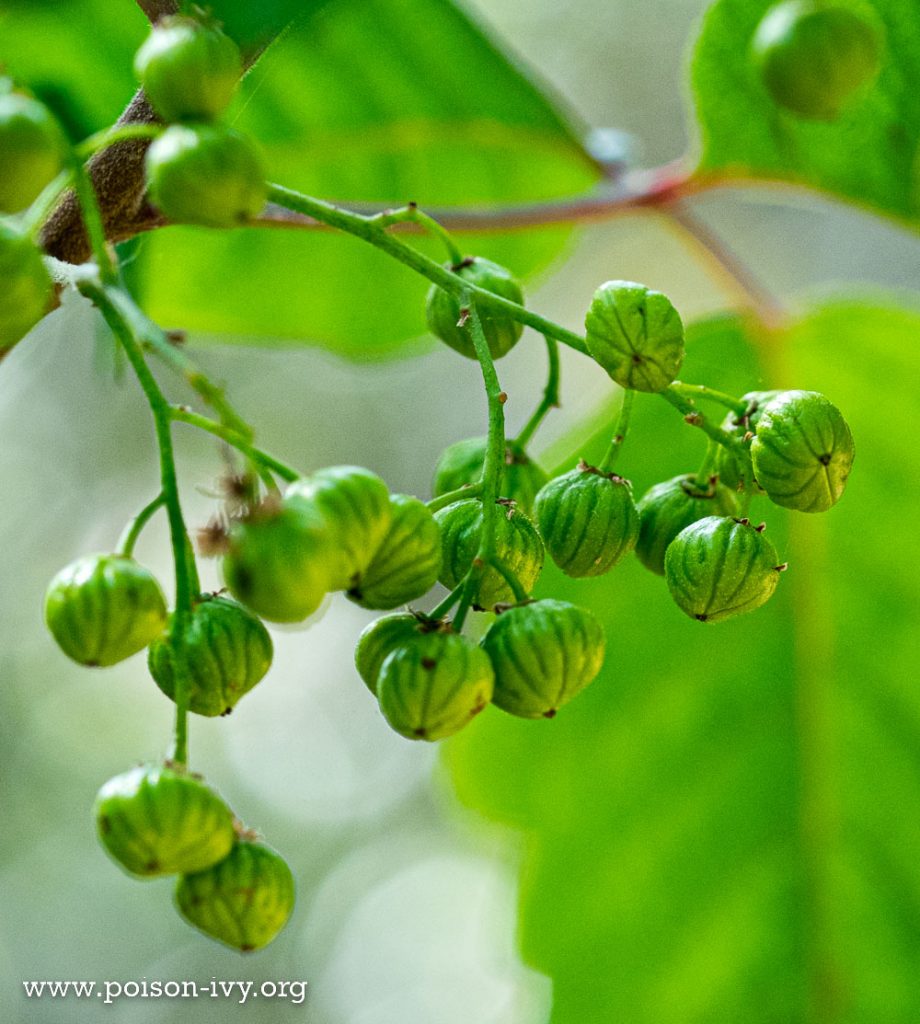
(520, 594)
(691, 391)
(619, 432)
(695, 418)
(460, 494)
(154, 340)
(112, 302)
(440, 610)
(413, 215)
(371, 232)
(117, 133)
(705, 472)
(135, 527)
(493, 464)
(236, 440)
(550, 395)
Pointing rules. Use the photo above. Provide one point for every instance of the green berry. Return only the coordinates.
(815, 57)
(717, 568)
(544, 654)
(381, 638)
(243, 901)
(188, 70)
(356, 505)
(225, 650)
(444, 313)
(803, 451)
(32, 150)
(741, 427)
(433, 684)
(280, 561)
(636, 335)
(26, 293)
(518, 545)
(461, 464)
(406, 564)
(102, 609)
(588, 520)
(206, 174)
(157, 820)
(665, 509)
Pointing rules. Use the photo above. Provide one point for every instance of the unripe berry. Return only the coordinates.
(588, 520)
(462, 462)
(26, 292)
(434, 684)
(280, 561)
(543, 654)
(381, 638)
(636, 335)
(443, 309)
(243, 901)
(102, 609)
(406, 563)
(717, 568)
(814, 57)
(224, 651)
(206, 174)
(740, 427)
(518, 545)
(188, 70)
(157, 820)
(803, 451)
(32, 150)
(668, 507)
(356, 505)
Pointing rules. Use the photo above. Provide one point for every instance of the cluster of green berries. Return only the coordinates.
(33, 150)
(199, 171)
(792, 446)
(816, 56)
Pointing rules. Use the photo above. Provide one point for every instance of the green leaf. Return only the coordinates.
(381, 102)
(870, 155)
(726, 825)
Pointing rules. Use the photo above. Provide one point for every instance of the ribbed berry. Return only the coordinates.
(224, 651)
(156, 820)
(356, 505)
(444, 313)
(102, 609)
(280, 561)
(543, 654)
(803, 451)
(742, 427)
(717, 568)
(636, 335)
(406, 564)
(433, 684)
(243, 901)
(665, 509)
(381, 638)
(517, 544)
(588, 520)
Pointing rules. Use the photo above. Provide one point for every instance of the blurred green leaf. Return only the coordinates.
(870, 155)
(726, 825)
(369, 101)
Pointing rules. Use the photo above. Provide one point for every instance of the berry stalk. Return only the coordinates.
(550, 398)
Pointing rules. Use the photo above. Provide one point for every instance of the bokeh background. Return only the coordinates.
(724, 828)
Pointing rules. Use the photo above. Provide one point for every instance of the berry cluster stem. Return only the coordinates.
(550, 398)
(370, 231)
(619, 432)
(112, 301)
(135, 527)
